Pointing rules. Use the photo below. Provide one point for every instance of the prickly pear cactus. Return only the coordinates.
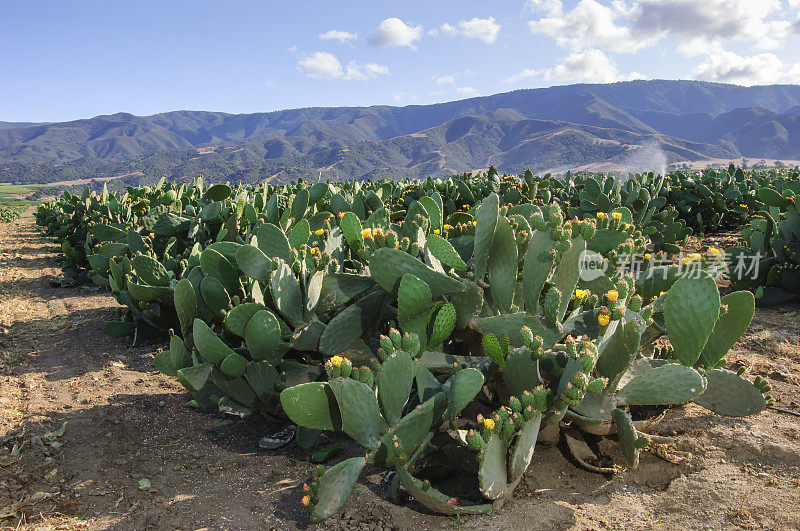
(467, 316)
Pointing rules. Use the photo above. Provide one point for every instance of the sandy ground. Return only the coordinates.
(126, 423)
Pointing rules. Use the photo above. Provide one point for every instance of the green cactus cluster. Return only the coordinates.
(769, 261)
(8, 213)
(420, 318)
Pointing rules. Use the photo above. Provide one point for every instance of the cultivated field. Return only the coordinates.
(93, 436)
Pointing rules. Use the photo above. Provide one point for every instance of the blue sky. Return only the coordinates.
(64, 60)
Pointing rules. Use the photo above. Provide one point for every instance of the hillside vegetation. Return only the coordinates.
(541, 129)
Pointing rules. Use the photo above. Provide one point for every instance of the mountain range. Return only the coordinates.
(548, 128)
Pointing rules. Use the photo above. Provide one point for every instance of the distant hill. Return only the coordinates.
(556, 127)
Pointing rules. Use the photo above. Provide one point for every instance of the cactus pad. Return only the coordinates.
(388, 266)
(626, 432)
(445, 253)
(312, 405)
(740, 306)
(335, 486)
(465, 385)
(731, 395)
(668, 384)
(691, 311)
(361, 417)
(493, 473)
(211, 347)
(395, 380)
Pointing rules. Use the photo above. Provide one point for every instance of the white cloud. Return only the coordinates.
(395, 32)
(525, 74)
(591, 65)
(445, 80)
(624, 26)
(485, 29)
(759, 69)
(713, 20)
(692, 47)
(365, 72)
(321, 65)
(467, 91)
(551, 7)
(591, 24)
(450, 30)
(376, 70)
(324, 65)
(338, 35)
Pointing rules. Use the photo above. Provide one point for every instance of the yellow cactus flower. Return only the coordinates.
(603, 319)
(617, 215)
(377, 232)
(694, 257)
(337, 361)
(436, 231)
(474, 223)
(319, 232)
(366, 233)
(315, 243)
(314, 250)
(580, 294)
(447, 227)
(601, 215)
(661, 294)
(152, 235)
(612, 295)
(713, 251)
(305, 501)
(488, 424)
(647, 256)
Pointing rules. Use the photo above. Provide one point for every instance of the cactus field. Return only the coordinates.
(583, 351)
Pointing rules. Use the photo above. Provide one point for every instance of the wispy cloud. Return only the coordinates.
(525, 74)
(485, 29)
(325, 65)
(338, 35)
(467, 92)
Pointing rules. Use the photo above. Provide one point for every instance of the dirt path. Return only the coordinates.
(126, 423)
